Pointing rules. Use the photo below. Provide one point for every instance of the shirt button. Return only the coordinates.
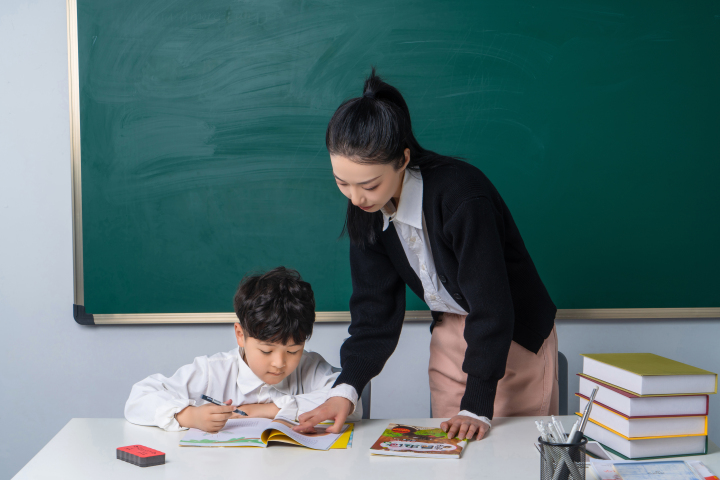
(422, 267)
(457, 296)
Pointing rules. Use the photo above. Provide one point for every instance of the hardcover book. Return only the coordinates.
(658, 426)
(645, 447)
(632, 405)
(649, 374)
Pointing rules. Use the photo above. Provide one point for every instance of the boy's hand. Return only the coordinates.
(464, 427)
(258, 410)
(209, 417)
(334, 408)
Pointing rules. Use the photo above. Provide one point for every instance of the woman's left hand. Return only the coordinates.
(464, 427)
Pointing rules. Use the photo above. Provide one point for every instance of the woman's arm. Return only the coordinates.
(316, 379)
(377, 309)
(476, 230)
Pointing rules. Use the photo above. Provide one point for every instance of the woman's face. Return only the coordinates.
(368, 187)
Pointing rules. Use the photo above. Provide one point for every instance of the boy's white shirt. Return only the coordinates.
(157, 399)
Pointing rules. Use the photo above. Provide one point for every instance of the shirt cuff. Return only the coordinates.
(288, 408)
(476, 417)
(345, 391)
(165, 415)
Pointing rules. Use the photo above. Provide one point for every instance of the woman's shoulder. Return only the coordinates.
(454, 181)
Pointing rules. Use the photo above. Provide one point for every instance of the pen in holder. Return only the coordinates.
(562, 461)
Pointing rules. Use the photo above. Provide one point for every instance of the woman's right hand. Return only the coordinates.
(209, 418)
(334, 408)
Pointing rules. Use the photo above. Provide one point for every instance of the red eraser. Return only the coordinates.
(140, 455)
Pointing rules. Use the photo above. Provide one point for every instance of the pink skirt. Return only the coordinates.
(529, 387)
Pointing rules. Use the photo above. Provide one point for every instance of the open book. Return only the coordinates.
(410, 441)
(258, 432)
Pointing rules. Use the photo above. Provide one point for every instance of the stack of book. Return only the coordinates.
(647, 406)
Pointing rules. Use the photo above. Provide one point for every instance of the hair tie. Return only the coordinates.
(369, 94)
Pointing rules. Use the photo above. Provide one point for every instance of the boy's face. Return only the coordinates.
(271, 362)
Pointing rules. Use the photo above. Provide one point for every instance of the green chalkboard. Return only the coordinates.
(203, 157)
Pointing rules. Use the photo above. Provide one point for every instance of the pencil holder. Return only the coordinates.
(562, 461)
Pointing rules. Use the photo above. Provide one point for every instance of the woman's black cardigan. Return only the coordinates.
(481, 260)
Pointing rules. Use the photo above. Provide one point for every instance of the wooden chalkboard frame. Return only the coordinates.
(85, 318)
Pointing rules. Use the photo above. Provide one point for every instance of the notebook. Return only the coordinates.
(259, 432)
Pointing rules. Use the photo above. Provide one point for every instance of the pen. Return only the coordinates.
(218, 402)
(559, 427)
(573, 430)
(586, 415)
(561, 473)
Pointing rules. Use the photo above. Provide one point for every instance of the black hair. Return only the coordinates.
(375, 129)
(276, 306)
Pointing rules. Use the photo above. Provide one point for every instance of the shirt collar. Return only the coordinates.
(247, 381)
(409, 209)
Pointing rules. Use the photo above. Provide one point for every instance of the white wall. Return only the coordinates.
(52, 369)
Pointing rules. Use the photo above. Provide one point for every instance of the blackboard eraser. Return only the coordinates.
(141, 455)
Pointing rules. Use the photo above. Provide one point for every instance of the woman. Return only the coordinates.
(438, 225)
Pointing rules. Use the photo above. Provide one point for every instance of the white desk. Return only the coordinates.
(85, 449)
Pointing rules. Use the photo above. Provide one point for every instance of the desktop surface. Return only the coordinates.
(85, 449)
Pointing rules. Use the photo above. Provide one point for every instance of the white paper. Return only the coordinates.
(656, 470)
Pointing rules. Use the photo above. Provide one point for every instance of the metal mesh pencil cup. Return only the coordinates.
(562, 461)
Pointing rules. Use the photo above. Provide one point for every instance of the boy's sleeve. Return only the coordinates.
(155, 400)
(316, 379)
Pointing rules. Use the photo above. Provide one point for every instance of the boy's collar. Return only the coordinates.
(247, 381)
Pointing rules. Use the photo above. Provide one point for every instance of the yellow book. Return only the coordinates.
(645, 447)
(643, 427)
(260, 432)
(649, 374)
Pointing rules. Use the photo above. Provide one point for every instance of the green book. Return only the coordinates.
(649, 374)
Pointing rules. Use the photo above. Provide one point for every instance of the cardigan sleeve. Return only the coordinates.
(477, 235)
(377, 311)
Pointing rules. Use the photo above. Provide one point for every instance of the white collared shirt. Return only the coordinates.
(223, 376)
(409, 221)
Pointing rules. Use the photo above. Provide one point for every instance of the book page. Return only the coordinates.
(322, 440)
(238, 432)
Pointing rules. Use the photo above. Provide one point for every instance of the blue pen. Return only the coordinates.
(218, 402)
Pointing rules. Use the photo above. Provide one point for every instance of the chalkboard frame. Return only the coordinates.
(85, 318)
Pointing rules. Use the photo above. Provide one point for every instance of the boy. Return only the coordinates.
(269, 375)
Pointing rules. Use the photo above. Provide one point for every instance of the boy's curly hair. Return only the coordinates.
(276, 306)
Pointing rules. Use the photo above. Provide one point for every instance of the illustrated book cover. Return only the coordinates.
(411, 441)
